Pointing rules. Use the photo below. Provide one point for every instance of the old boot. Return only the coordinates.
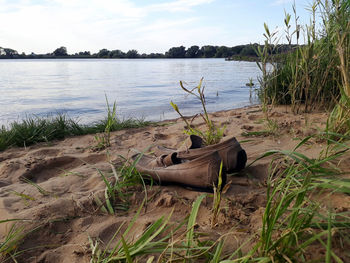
(202, 172)
(233, 156)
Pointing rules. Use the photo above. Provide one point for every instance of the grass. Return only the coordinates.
(290, 212)
(118, 185)
(271, 129)
(217, 197)
(41, 190)
(125, 250)
(9, 244)
(34, 130)
(158, 238)
(103, 140)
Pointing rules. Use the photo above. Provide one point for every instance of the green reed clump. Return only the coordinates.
(212, 134)
(118, 186)
(161, 240)
(293, 220)
(315, 74)
(337, 17)
(34, 129)
(10, 242)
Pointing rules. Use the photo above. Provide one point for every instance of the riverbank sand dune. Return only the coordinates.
(63, 212)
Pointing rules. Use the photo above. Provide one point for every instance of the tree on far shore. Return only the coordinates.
(193, 52)
(132, 54)
(176, 52)
(60, 52)
(241, 52)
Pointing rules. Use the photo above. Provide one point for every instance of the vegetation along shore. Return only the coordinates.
(82, 200)
(243, 52)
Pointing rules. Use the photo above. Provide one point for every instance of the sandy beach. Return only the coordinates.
(64, 214)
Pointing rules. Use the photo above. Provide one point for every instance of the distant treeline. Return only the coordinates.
(241, 52)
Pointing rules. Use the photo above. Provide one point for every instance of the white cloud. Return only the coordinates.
(163, 24)
(42, 26)
(282, 2)
(178, 5)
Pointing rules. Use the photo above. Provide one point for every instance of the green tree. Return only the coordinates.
(8, 53)
(176, 52)
(155, 55)
(60, 52)
(193, 52)
(116, 54)
(208, 51)
(223, 52)
(85, 53)
(103, 53)
(132, 54)
(249, 50)
(236, 50)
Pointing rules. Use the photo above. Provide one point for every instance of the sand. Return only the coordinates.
(65, 214)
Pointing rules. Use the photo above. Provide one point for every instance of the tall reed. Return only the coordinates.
(315, 74)
(337, 17)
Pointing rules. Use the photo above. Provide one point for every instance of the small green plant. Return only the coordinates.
(104, 139)
(26, 198)
(10, 242)
(213, 134)
(117, 186)
(217, 198)
(271, 129)
(126, 250)
(168, 242)
(38, 187)
(251, 84)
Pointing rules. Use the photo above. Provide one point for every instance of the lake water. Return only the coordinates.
(140, 87)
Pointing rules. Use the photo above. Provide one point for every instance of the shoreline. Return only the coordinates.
(79, 129)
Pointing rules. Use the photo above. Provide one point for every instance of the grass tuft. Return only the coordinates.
(34, 130)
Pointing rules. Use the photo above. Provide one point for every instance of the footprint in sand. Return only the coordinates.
(253, 117)
(45, 152)
(43, 171)
(160, 136)
(247, 127)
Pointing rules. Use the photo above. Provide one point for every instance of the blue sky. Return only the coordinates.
(41, 26)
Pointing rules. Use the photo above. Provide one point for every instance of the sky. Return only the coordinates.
(41, 26)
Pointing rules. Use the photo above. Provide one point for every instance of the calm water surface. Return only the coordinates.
(140, 87)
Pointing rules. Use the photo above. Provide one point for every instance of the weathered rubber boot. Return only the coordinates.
(202, 172)
(233, 156)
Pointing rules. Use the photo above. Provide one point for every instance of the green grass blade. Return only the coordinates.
(192, 222)
(126, 250)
